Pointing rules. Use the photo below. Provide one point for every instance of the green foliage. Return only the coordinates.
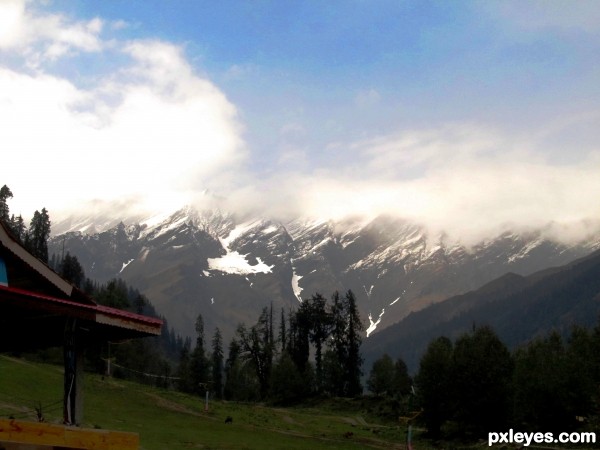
(241, 382)
(381, 377)
(185, 382)
(354, 360)
(468, 383)
(287, 383)
(333, 373)
(199, 363)
(5, 194)
(150, 360)
(70, 269)
(39, 231)
(402, 382)
(476, 385)
(257, 347)
(555, 383)
(333, 330)
(113, 294)
(346, 329)
(481, 375)
(319, 321)
(388, 378)
(435, 385)
(217, 364)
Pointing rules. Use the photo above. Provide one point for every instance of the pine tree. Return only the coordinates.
(483, 369)
(434, 385)
(113, 294)
(39, 232)
(198, 361)
(231, 364)
(217, 364)
(71, 270)
(283, 333)
(5, 194)
(344, 346)
(300, 336)
(320, 325)
(333, 376)
(184, 371)
(18, 227)
(402, 381)
(544, 392)
(241, 382)
(354, 340)
(258, 347)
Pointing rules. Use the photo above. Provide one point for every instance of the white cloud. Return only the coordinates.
(465, 180)
(153, 133)
(45, 37)
(11, 18)
(152, 130)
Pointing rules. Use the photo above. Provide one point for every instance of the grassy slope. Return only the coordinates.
(168, 420)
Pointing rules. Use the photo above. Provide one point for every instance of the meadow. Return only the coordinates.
(169, 420)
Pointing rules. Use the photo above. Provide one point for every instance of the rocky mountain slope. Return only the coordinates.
(228, 269)
(517, 307)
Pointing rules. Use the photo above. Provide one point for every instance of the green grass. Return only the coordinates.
(169, 420)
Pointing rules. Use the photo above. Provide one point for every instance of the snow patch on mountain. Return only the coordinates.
(398, 298)
(525, 250)
(125, 265)
(373, 325)
(233, 262)
(296, 284)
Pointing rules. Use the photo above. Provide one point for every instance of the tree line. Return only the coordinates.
(315, 350)
(35, 237)
(475, 385)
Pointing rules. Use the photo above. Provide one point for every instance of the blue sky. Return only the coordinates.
(468, 116)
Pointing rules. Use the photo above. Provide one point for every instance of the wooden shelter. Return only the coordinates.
(39, 309)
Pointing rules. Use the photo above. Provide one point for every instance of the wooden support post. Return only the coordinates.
(73, 380)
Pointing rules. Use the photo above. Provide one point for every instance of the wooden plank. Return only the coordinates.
(34, 433)
(31, 432)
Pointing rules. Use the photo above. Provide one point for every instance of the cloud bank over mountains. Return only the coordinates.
(94, 116)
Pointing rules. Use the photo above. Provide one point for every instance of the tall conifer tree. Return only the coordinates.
(39, 232)
(5, 194)
(217, 364)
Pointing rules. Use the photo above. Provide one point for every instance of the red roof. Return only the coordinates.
(34, 307)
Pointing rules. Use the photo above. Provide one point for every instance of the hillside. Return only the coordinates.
(228, 268)
(517, 307)
(171, 420)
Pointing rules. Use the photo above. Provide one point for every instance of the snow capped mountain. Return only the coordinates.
(210, 262)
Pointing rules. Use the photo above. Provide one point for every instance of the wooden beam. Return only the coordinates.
(73, 374)
(51, 435)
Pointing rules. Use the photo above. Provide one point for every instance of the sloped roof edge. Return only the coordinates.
(101, 314)
(7, 239)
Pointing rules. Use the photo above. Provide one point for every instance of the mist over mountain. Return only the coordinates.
(227, 269)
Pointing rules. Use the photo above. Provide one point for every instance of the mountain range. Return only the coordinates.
(518, 308)
(228, 269)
